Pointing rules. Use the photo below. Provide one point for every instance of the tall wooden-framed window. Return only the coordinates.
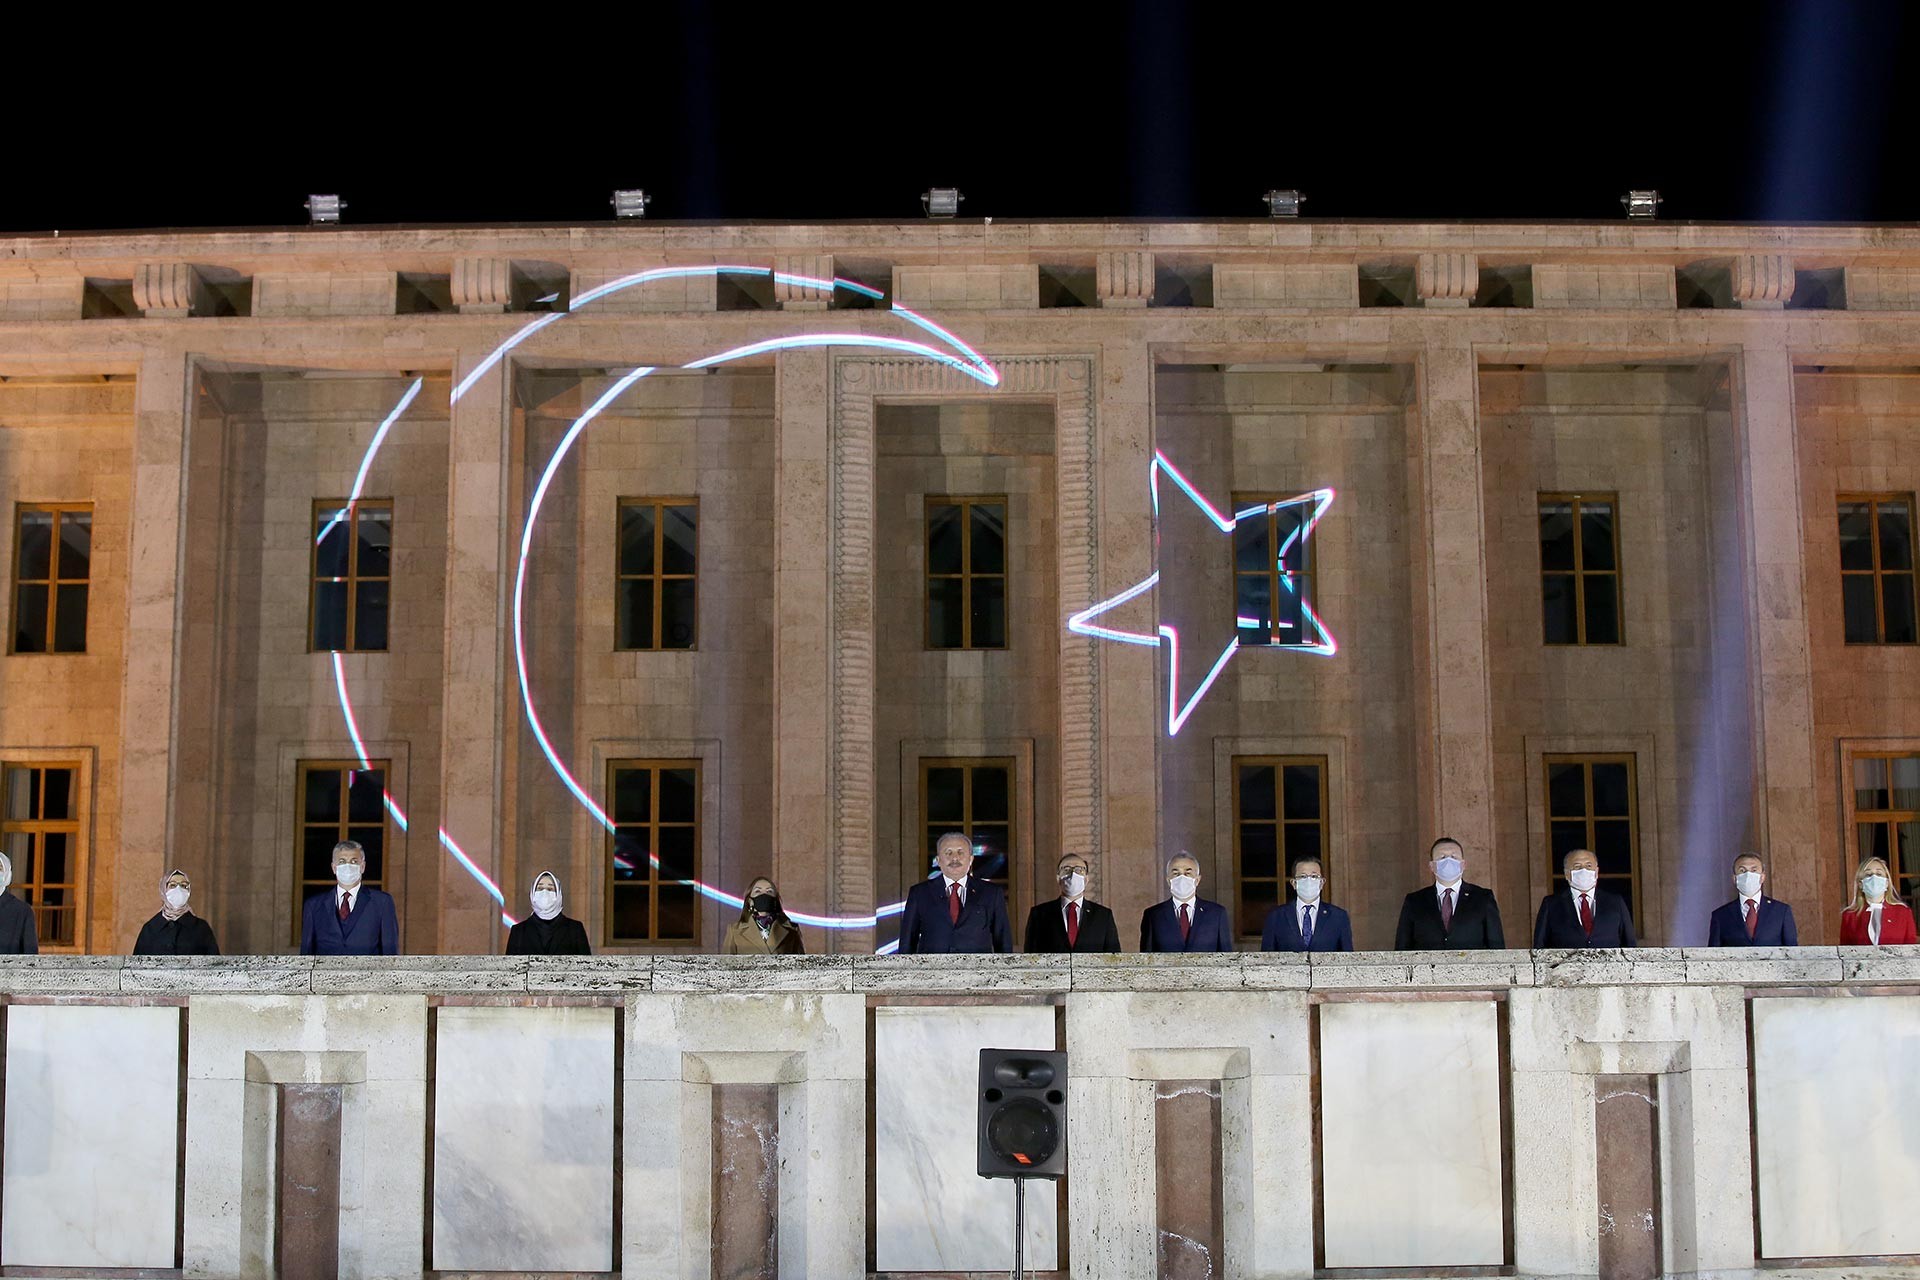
(656, 592)
(339, 800)
(1273, 571)
(1886, 815)
(40, 830)
(1593, 804)
(52, 559)
(352, 576)
(1580, 568)
(1876, 568)
(973, 795)
(653, 851)
(1279, 817)
(966, 573)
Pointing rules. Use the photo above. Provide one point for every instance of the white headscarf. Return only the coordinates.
(166, 910)
(547, 875)
(6, 872)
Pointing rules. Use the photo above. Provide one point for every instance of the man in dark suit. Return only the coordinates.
(1752, 919)
(955, 913)
(1450, 915)
(1306, 923)
(349, 919)
(1585, 915)
(1185, 921)
(19, 936)
(1071, 923)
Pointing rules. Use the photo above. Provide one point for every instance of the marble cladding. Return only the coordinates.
(355, 293)
(1290, 285)
(523, 1139)
(81, 1081)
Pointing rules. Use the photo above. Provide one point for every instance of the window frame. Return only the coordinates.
(967, 575)
(654, 765)
(74, 827)
(925, 826)
(1310, 574)
(353, 577)
(53, 582)
(1280, 822)
(1877, 572)
(1556, 878)
(1890, 818)
(1580, 573)
(304, 888)
(658, 575)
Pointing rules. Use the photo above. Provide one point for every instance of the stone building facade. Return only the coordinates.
(1727, 405)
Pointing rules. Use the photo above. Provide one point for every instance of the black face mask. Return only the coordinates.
(765, 904)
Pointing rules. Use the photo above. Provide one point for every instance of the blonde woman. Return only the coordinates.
(1876, 917)
(763, 928)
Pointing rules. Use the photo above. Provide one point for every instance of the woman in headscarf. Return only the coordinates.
(18, 934)
(546, 932)
(176, 931)
(763, 928)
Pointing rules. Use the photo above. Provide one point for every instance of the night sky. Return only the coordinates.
(1755, 112)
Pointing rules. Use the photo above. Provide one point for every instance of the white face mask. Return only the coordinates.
(177, 898)
(1875, 887)
(1183, 886)
(546, 903)
(348, 874)
(1583, 879)
(1448, 869)
(1747, 883)
(1307, 888)
(1074, 884)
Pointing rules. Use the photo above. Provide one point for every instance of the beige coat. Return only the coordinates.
(743, 939)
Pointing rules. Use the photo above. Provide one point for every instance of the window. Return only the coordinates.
(352, 576)
(41, 832)
(1272, 571)
(1876, 569)
(52, 552)
(659, 554)
(1886, 815)
(1591, 804)
(653, 853)
(1279, 816)
(339, 800)
(1579, 568)
(966, 573)
(974, 797)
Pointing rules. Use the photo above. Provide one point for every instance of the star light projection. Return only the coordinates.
(1276, 615)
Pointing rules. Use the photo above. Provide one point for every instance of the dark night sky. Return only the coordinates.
(1758, 112)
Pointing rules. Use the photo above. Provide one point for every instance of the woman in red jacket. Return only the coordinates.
(1877, 917)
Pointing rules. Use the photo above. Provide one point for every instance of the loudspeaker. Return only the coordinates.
(1023, 1113)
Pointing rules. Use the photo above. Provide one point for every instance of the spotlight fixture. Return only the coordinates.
(941, 202)
(324, 209)
(630, 204)
(1641, 204)
(1283, 204)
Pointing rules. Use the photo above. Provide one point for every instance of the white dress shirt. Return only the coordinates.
(952, 884)
(1300, 910)
(1873, 923)
(1591, 905)
(346, 896)
(1440, 890)
(1082, 900)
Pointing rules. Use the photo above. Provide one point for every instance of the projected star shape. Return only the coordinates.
(1315, 638)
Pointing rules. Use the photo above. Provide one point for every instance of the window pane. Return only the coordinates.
(1256, 791)
(635, 608)
(1896, 538)
(1566, 791)
(76, 545)
(1906, 863)
(375, 528)
(30, 620)
(1870, 783)
(989, 538)
(676, 853)
(57, 788)
(1873, 840)
(632, 795)
(945, 798)
(19, 848)
(36, 545)
(323, 795)
(989, 613)
(943, 539)
(1613, 845)
(70, 618)
(679, 551)
(945, 621)
(1250, 605)
(1291, 547)
(365, 791)
(678, 801)
(370, 616)
(1906, 782)
(329, 616)
(1559, 613)
(1288, 624)
(1302, 782)
(1610, 790)
(990, 795)
(1856, 535)
(1567, 836)
(631, 904)
(636, 538)
(373, 843)
(1302, 840)
(1556, 536)
(1603, 608)
(1856, 608)
(1896, 607)
(316, 853)
(631, 853)
(330, 531)
(23, 792)
(990, 842)
(1596, 535)
(54, 867)
(678, 621)
(676, 913)
(1250, 545)
(1259, 850)
(1256, 900)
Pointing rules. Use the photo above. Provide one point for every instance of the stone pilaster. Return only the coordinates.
(482, 286)
(168, 290)
(1125, 278)
(1446, 279)
(794, 296)
(1762, 281)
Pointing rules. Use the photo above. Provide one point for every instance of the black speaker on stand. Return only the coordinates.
(1023, 1126)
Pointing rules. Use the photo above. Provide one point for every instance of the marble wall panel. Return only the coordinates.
(523, 1139)
(1419, 1082)
(92, 1136)
(932, 1211)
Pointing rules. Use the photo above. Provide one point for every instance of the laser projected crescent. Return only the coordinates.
(957, 355)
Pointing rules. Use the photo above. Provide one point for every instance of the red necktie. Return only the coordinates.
(953, 902)
(1073, 923)
(1753, 918)
(1446, 911)
(1186, 924)
(1586, 914)
(345, 910)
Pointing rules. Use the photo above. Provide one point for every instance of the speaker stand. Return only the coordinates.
(1019, 1228)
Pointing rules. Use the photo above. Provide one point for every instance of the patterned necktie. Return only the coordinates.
(345, 910)
(1186, 925)
(953, 903)
(1306, 928)
(1586, 914)
(1753, 918)
(1446, 911)
(1073, 923)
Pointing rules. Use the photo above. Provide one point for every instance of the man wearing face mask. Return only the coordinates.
(176, 931)
(547, 932)
(1071, 923)
(349, 919)
(955, 912)
(19, 936)
(1752, 919)
(1585, 915)
(1306, 923)
(1185, 921)
(1449, 915)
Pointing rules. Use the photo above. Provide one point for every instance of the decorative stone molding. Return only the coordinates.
(793, 296)
(482, 286)
(1762, 281)
(1288, 285)
(1883, 289)
(42, 298)
(683, 293)
(351, 293)
(1446, 279)
(168, 290)
(1603, 288)
(971, 287)
(1125, 279)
